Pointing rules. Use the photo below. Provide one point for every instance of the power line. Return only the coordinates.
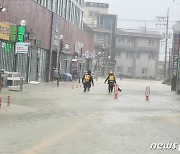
(137, 20)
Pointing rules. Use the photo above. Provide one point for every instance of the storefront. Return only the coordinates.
(6, 48)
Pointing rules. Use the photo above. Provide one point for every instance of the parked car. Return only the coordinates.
(65, 76)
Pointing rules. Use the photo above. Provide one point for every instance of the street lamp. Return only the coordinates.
(58, 58)
(60, 50)
(97, 62)
(2, 9)
(105, 59)
(80, 70)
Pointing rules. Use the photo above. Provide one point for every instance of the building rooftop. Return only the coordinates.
(139, 32)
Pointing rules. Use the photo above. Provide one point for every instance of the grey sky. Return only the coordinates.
(146, 10)
(136, 12)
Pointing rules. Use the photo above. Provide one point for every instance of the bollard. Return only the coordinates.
(21, 83)
(0, 102)
(147, 93)
(116, 91)
(8, 103)
(58, 81)
(147, 98)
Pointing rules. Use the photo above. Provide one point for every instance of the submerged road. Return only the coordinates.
(45, 119)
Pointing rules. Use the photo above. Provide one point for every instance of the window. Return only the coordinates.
(100, 37)
(121, 40)
(118, 54)
(144, 71)
(151, 42)
(49, 6)
(129, 55)
(137, 55)
(120, 69)
(130, 40)
(151, 57)
(93, 13)
(130, 70)
(107, 23)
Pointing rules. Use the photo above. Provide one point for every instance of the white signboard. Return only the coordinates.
(80, 59)
(78, 46)
(22, 47)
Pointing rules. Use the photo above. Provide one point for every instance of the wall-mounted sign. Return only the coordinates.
(99, 5)
(37, 42)
(7, 46)
(4, 31)
(176, 47)
(78, 46)
(66, 46)
(89, 54)
(22, 47)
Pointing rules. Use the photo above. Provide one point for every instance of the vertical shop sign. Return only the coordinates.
(13, 34)
(21, 32)
(175, 55)
(8, 47)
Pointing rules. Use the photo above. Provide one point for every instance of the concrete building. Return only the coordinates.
(91, 11)
(104, 26)
(46, 21)
(137, 53)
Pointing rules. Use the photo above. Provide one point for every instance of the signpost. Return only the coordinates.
(147, 93)
(21, 48)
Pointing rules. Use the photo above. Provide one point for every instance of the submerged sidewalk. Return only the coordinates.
(49, 87)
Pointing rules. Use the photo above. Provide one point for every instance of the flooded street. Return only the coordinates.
(45, 119)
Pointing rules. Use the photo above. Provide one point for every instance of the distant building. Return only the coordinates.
(91, 11)
(104, 26)
(160, 70)
(137, 53)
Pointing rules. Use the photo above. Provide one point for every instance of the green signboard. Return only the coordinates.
(8, 47)
(13, 34)
(21, 32)
(38, 42)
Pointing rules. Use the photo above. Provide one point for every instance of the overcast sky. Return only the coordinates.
(132, 14)
(146, 10)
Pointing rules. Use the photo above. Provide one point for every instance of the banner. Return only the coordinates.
(176, 46)
(4, 31)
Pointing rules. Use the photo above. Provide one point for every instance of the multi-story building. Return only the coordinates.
(91, 11)
(137, 53)
(70, 10)
(46, 21)
(104, 26)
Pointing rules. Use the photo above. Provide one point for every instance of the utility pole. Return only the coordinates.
(165, 22)
(166, 43)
